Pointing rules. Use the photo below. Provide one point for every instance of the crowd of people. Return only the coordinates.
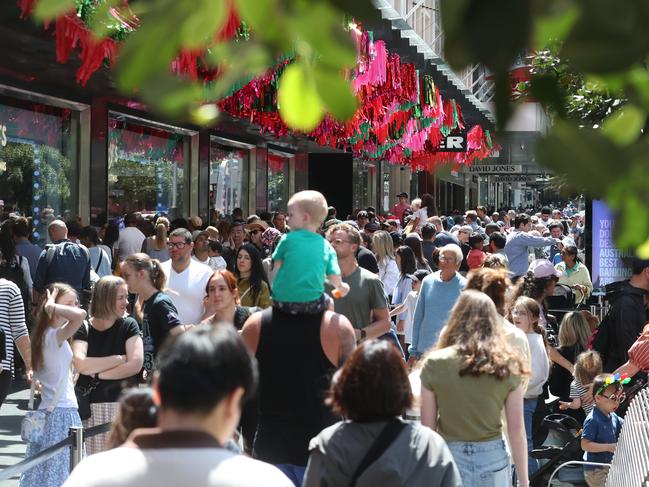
(314, 344)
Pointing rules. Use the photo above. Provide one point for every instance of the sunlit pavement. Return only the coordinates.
(12, 411)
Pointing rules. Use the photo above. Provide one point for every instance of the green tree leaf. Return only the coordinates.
(335, 92)
(584, 155)
(555, 25)
(299, 104)
(203, 20)
(50, 9)
(623, 127)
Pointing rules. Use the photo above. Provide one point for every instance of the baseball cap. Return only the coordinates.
(371, 227)
(543, 268)
(402, 195)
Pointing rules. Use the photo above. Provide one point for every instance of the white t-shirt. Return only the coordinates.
(410, 302)
(422, 214)
(214, 263)
(130, 242)
(540, 365)
(171, 467)
(56, 364)
(187, 290)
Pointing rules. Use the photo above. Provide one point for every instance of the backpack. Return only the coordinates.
(13, 271)
(87, 293)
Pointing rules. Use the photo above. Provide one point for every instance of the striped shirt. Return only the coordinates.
(12, 319)
(577, 389)
(639, 352)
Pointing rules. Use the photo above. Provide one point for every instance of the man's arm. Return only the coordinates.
(532, 241)
(250, 332)
(380, 326)
(418, 317)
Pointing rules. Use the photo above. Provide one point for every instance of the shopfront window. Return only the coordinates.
(147, 169)
(364, 183)
(227, 169)
(38, 162)
(277, 181)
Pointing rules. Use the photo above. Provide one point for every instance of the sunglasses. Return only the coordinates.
(617, 397)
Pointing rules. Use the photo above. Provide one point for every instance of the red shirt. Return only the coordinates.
(398, 209)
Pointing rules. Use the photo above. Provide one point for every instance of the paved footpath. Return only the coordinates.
(12, 411)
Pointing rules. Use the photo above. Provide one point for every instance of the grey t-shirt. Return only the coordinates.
(365, 294)
(418, 456)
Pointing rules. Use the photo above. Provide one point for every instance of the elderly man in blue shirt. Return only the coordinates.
(437, 295)
(519, 242)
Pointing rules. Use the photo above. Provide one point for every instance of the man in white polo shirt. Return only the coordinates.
(186, 278)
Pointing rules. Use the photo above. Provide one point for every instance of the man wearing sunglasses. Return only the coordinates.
(186, 277)
(602, 426)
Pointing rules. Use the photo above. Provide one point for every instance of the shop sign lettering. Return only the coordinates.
(496, 169)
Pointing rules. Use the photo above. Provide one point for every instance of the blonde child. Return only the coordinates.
(525, 314)
(303, 258)
(587, 366)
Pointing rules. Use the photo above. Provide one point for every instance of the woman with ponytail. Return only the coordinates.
(158, 315)
(58, 319)
(156, 246)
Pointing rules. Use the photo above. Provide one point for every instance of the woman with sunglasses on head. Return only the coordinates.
(58, 319)
(574, 273)
(251, 278)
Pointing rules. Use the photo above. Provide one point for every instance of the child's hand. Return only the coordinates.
(563, 405)
(343, 290)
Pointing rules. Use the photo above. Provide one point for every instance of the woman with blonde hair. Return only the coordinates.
(106, 352)
(383, 248)
(574, 334)
(59, 317)
(467, 380)
(156, 245)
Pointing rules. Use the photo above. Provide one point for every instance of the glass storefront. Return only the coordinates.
(38, 162)
(228, 166)
(148, 169)
(278, 168)
(364, 184)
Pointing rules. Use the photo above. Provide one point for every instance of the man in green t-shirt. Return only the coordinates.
(366, 305)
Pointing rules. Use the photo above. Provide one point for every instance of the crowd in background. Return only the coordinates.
(439, 319)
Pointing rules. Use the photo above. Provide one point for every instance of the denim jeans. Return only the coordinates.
(529, 406)
(482, 463)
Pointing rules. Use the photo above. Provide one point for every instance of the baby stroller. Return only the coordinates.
(562, 444)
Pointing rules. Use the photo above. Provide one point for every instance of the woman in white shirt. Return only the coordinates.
(58, 319)
(384, 250)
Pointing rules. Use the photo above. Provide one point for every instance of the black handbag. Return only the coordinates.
(83, 397)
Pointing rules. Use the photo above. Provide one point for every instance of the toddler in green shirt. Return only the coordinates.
(303, 258)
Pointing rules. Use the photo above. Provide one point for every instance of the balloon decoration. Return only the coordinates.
(402, 117)
(71, 32)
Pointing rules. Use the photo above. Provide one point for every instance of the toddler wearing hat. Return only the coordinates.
(303, 258)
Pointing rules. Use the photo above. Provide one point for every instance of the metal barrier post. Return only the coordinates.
(76, 452)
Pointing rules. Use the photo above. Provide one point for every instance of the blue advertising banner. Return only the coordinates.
(608, 262)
